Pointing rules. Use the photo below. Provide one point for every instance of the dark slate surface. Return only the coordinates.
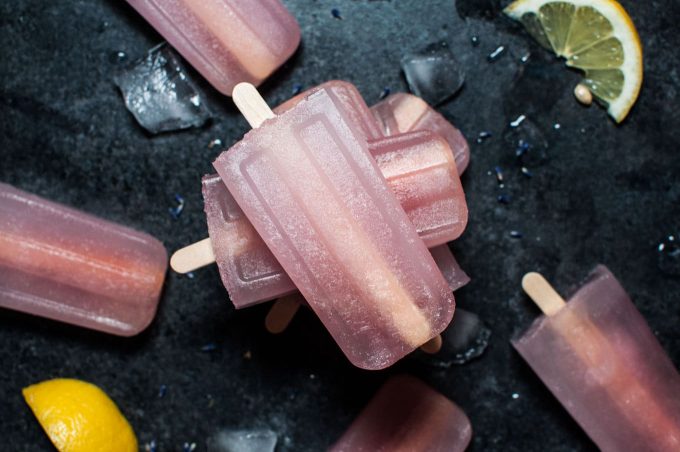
(604, 193)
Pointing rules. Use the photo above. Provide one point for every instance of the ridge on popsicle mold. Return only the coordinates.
(402, 112)
(312, 156)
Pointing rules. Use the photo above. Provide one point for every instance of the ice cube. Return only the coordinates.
(160, 94)
(433, 74)
(243, 441)
(464, 340)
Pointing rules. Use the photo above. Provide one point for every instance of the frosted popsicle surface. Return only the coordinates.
(309, 186)
(227, 41)
(599, 358)
(407, 416)
(401, 112)
(66, 265)
(419, 169)
(351, 101)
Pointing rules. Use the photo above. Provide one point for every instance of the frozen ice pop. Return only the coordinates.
(227, 41)
(599, 358)
(407, 416)
(401, 112)
(60, 263)
(309, 186)
(418, 167)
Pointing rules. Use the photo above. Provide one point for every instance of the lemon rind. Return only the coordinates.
(624, 30)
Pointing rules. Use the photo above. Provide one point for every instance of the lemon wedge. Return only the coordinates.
(79, 417)
(595, 36)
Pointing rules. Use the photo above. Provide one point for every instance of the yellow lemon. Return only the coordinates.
(79, 417)
(596, 36)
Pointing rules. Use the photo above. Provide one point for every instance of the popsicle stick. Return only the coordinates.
(251, 104)
(281, 314)
(542, 293)
(193, 257)
(433, 345)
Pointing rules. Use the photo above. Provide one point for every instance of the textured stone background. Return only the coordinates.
(605, 193)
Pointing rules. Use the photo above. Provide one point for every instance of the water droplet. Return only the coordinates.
(518, 121)
(496, 54)
(474, 40)
(483, 135)
(385, 92)
(515, 396)
(297, 89)
(118, 57)
(528, 143)
(214, 143)
(175, 212)
(516, 234)
(526, 173)
(335, 12)
(669, 255)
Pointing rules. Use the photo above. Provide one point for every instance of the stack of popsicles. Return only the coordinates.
(318, 200)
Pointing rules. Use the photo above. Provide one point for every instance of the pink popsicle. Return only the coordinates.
(401, 112)
(419, 169)
(227, 41)
(60, 263)
(599, 358)
(407, 416)
(309, 186)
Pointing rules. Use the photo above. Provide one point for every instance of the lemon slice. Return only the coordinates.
(79, 417)
(596, 36)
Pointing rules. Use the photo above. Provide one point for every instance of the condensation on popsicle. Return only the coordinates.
(598, 356)
(418, 167)
(407, 416)
(401, 112)
(60, 263)
(310, 188)
(227, 41)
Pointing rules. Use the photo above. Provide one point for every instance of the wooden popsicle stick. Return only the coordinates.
(251, 104)
(193, 257)
(542, 293)
(433, 345)
(256, 111)
(281, 314)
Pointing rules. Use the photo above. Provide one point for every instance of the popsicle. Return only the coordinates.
(60, 263)
(406, 415)
(401, 112)
(418, 167)
(598, 356)
(227, 41)
(314, 194)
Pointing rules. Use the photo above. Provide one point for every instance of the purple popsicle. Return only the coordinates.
(307, 183)
(419, 169)
(60, 263)
(598, 356)
(407, 416)
(401, 112)
(227, 41)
